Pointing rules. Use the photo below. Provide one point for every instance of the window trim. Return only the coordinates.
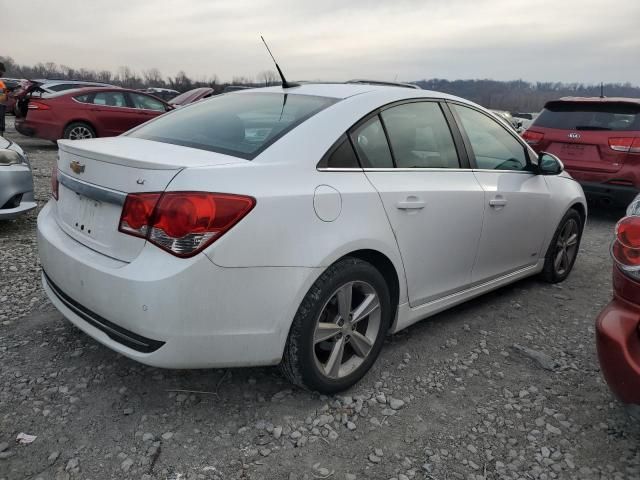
(531, 167)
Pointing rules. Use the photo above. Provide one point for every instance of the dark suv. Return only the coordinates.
(597, 139)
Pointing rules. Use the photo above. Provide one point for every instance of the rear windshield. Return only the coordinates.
(242, 125)
(590, 116)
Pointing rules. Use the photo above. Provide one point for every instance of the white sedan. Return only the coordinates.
(298, 226)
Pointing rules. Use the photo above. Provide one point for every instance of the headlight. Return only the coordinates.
(9, 157)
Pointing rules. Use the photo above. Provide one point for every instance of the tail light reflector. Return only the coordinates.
(182, 223)
(54, 182)
(625, 144)
(38, 106)
(532, 138)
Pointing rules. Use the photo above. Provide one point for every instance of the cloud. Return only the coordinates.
(572, 40)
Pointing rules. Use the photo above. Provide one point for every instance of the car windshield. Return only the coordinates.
(242, 125)
(590, 116)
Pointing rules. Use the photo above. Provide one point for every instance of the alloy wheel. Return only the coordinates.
(346, 329)
(80, 133)
(566, 247)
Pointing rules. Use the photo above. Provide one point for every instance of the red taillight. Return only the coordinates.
(136, 213)
(625, 144)
(182, 223)
(38, 106)
(532, 138)
(626, 246)
(54, 182)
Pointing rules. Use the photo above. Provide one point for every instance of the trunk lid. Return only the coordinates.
(96, 175)
(581, 150)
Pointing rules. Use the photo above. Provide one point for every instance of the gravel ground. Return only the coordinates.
(450, 398)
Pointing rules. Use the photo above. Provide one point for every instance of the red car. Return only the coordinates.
(597, 139)
(618, 325)
(86, 113)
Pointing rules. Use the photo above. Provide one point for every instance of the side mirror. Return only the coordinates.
(549, 164)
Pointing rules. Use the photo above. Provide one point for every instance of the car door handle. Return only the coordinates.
(498, 201)
(411, 204)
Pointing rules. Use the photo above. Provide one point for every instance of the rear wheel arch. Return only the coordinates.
(386, 267)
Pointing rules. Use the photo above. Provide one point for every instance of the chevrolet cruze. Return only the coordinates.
(298, 226)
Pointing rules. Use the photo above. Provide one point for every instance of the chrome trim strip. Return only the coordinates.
(94, 192)
(333, 169)
(475, 285)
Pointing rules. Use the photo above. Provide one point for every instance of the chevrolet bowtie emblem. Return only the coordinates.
(77, 167)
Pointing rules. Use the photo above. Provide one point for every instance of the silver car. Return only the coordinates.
(16, 183)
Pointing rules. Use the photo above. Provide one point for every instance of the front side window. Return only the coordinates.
(420, 136)
(493, 146)
(371, 144)
(145, 102)
(242, 125)
(110, 99)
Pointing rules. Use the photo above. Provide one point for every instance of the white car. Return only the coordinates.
(298, 226)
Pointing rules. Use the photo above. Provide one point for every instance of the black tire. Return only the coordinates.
(74, 128)
(550, 273)
(299, 363)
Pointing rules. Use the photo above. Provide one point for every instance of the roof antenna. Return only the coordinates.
(285, 84)
(601, 89)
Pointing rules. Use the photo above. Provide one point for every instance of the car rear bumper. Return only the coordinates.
(169, 312)
(44, 130)
(619, 195)
(16, 191)
(618, 343)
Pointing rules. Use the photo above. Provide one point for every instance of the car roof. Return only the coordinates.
(635, 101)
(346, 90)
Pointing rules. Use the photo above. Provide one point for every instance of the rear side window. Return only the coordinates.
(342, 156)
(110, 99)
(371, 144)
(145, 102)
(590, 116)
(242, 125)
(420, 136)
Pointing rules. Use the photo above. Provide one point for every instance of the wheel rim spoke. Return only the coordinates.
(557, 263)
(344, 300)
(325, 331)
(332, 368)
(369, 305)
(572, 240)
(361, 344)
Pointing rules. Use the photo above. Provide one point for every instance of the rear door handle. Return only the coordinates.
(498, 201)
(411, 204)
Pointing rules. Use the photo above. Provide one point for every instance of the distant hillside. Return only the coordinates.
(518, 95)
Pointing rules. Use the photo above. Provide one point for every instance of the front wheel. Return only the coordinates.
(563, 249)
(78, 131)
(339, 328)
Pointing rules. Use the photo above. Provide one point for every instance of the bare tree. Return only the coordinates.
(268, 78)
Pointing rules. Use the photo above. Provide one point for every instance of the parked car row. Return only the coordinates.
(179, 201)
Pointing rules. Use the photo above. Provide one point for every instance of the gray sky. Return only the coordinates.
(548, 40)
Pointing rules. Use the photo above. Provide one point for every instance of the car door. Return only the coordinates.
(111, 113)
(516, 199)
(146, 107)
(409, 154)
